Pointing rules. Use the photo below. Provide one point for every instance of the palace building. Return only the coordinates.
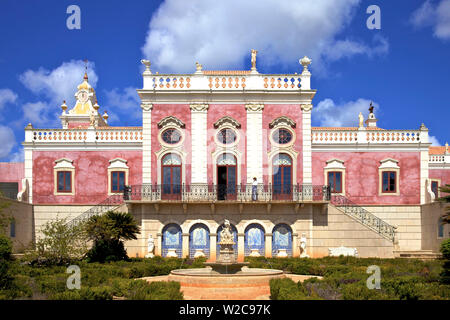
(235, 145)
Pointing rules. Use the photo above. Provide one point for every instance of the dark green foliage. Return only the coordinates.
(5, 257)
(445, 249)
(107, 231)
(346, 278)
(106, 251)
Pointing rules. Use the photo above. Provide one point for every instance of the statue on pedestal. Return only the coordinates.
(303, 246)
(254, 52)
(361, 120)
(150, 247)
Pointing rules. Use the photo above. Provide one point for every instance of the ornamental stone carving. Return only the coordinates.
(171, 121)
(199, 107)
(254, 107)
(306, 107)
(282, 121)
(146, 106)
(227, 121)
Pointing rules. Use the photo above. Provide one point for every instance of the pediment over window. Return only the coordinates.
(335, 164)
(227, 121)
(282, 121)
(171, 121)
(118, 163)
(64, 163)
(389, 163)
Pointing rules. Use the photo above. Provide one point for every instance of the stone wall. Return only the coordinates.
(431, 213)
(22, 213)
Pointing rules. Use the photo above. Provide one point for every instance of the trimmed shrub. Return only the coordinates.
(107, 250)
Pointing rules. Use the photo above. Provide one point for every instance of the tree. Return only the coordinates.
(446, 199)
(61, 243)
(108, 232)
(5, 219)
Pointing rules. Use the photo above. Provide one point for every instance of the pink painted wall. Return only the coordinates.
(361, 175)
(270, 113)
(442, 174)
(91, 174)
(183, 113)
(12, 172)
(237, 112)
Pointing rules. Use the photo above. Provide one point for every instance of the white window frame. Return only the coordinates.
(63, 164)
(117, 164)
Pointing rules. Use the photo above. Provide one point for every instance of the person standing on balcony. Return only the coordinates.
(254, 189)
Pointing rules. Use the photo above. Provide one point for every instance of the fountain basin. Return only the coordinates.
(225, 267)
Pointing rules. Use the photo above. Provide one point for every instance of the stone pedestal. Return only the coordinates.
(282, 253)
(172, 253)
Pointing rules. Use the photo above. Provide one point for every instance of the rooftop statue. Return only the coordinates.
(254, 52)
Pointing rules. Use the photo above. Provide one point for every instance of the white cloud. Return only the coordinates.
(17, 156)
(40, 114)
(54, 86)
(435, 15)
(329, 114)
(434, 141)
(7, 141)
(60, 83)
(125, 102)
(220, 34)
(7, 96)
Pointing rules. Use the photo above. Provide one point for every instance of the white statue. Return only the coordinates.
(361, 120)
(92, 118)
(150, 247)
(303, 246)
(226, 235)
(254, 52)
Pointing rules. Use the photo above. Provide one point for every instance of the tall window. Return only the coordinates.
(435, 188)
(64, 181)
(335, 181)
(282, 175)
(117, 181)
(389, 182)
(171, 175)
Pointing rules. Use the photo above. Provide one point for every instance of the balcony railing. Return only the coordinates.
(237, 193)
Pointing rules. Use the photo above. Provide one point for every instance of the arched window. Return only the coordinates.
(282, 176)
(171, 176)
(226, 176)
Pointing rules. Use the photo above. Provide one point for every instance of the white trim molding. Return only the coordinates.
(335, 165)
(389, 164)
(254, 141)
(117, 164)
(64, 164)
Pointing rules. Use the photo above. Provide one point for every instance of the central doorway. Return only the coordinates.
(226, 177)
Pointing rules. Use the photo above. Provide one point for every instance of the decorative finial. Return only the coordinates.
(147, 65)
(96, 106)
(85, 69)
(254, 52)
(64, 106)
(305, 62)
(423, 127)
(105, 116)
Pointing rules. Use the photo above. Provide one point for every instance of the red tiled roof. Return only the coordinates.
(436, 150)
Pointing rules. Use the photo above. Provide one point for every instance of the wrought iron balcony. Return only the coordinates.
(236, 193)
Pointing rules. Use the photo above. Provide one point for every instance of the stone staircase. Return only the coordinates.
(419, 254)
(364, 217)
(111, 203)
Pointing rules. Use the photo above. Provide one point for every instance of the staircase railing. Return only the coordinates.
(366, 218)
(110, 203)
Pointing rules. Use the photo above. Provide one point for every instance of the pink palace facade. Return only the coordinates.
(205, 136)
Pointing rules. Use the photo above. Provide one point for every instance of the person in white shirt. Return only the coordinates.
(254, 189)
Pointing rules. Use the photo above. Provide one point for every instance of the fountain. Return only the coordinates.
(234, 279)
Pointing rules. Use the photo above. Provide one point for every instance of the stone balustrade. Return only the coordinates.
(227, 81)
(369, 136)
(83, 135)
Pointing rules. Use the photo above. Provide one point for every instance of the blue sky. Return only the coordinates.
(403, 67)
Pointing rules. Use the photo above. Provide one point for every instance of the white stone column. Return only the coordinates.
(424, 159)
(28, 159)
(307, 151)
(146, 142)
(199, 113)
(254, 142)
